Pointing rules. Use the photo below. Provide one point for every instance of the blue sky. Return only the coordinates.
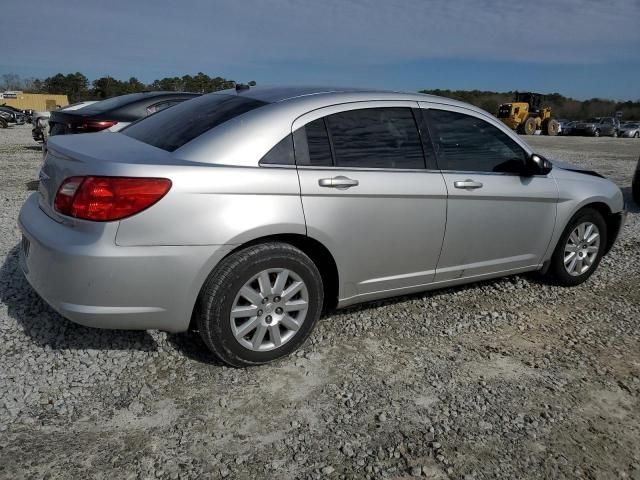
(580, 48)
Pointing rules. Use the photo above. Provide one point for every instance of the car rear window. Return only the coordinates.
(115, 102)
(172, 128)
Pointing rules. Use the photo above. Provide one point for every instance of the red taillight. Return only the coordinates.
(108, 198)
(92, 125)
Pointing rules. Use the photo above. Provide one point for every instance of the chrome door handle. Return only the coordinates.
(468, 184)
(338, 182)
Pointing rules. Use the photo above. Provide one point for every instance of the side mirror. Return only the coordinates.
(537, 165)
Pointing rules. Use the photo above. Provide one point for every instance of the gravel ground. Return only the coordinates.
(502, 379)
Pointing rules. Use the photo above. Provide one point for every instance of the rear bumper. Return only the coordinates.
(85, 277)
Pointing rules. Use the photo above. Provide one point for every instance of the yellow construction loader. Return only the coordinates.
(526, 115)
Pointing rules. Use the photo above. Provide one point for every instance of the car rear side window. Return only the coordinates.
(173, 127)
(376, 138)
(312, 144)
(466, 143)
(281, 154)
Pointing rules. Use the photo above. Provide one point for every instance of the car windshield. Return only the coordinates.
(172, 128)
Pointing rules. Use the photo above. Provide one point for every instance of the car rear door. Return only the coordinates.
(497, 219)
(368, 195)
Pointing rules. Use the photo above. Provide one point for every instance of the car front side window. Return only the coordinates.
(467, 143)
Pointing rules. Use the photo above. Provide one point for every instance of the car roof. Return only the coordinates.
(283, 106)
(333, 94)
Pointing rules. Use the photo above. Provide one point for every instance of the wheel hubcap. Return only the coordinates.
(269, 309)
(581, 249)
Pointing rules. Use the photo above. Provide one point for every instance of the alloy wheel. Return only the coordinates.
(581, 249)
(269, 309)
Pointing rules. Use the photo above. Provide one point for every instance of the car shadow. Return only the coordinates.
(37, 148)
(47, 328)
(191, 345)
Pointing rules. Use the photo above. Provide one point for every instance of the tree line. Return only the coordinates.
(561, 106)
(78, 87)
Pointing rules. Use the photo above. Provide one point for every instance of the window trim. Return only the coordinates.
(330, 138)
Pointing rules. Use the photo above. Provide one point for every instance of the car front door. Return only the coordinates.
(498, 220)
(369, 196)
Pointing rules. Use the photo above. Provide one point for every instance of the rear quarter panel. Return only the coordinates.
(218, 205)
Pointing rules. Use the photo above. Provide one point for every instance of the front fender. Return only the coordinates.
(577, 191)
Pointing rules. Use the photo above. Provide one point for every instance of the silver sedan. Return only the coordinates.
(630, 130)
(244, 214)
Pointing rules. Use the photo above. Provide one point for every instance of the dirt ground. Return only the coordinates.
(510, 378)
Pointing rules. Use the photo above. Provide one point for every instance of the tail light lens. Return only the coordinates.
(104, 199)
(92, 125)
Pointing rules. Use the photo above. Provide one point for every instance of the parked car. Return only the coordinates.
(630, 130)
(597, 127)
(566, 129)
(11, 116)
(243, 214)
(635, 184)
(14, 109)
(114, 113)
(40, 120)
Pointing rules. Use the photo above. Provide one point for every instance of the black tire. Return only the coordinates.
(550, 127)
(635, 184)
(3, 123)
(636, 135)
(557, 272)
(529, 126)
(230, 275)
(596, 133)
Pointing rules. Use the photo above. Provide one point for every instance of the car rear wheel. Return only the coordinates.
(259, 304)
(3, 123)
(580, 248)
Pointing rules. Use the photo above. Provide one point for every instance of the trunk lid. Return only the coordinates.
(104, 153)
(69, 122)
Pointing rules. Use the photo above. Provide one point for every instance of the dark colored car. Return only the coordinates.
(597, 127)
(11, 116)
(635, 184)
(114, 113)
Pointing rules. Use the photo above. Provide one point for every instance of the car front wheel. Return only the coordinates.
(259, 304)
(580, 248)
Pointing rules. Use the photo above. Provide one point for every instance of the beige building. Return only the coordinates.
(33, 101)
